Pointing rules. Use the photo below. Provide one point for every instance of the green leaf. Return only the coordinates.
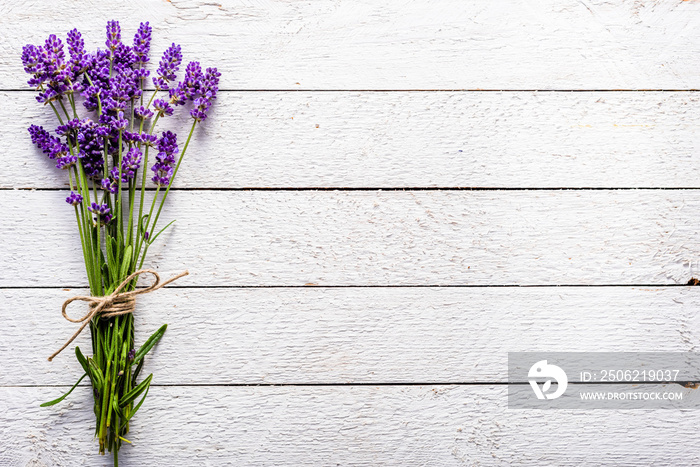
(148, 345)
(96, 373)
(105, 274)
(138, 370)
(153, 239)
(126, 263)
(81, 358)
(115, 407)
(109, 250)
(134, 393)
(110, 247)
(138, 406)
(142, 227)
(56, 401)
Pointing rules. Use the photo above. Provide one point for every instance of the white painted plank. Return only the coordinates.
(381, 238)
(362, 44)
(412, 139)
(352, 335)
(364, 426)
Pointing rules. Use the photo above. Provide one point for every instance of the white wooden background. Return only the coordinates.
(350, 302)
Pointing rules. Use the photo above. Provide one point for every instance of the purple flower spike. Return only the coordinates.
(76, 44)
(54, 50)
(201, 105)
(110, 184)
(142, 43)
(91, 148)
(131, 161)
(168, 66)
(148, 140)
(162, 107)
(143, 113)
(129, 137)
(189, 87)
(50, 145)
(165, 159)
(210, 83)
(119, 122)
(79, 60)
(101, 211)
(66, 162)
(114, 35)
(31, 57)
(74, 199)
(42, 138)
(124, 57)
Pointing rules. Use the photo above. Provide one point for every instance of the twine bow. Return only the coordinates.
(115, 304)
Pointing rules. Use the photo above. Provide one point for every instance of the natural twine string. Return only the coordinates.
(115, 304)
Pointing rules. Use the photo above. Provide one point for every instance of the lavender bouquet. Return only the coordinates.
(102, 154)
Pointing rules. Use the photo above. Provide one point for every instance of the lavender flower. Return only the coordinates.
(124, 86)
(31, 58)
(76, 45)
(210, 83)
(69, 128)
(201, 105)
(148, 140)
(131, 138)
(168, 66)
(50, 145)
(162, 107)
(189, 87)
(110, 184)
(165, 159)
(102, 213)
(91, 145)
(66, 162)
(54, 52)
(124, 57)
(119, 122)
(51, 71)
(143, 113)
(106, 150)
(98, 70)
(131, 162)
(114, 34)
(79, 61)
(208, 89)
(142, 43)
(74, 199)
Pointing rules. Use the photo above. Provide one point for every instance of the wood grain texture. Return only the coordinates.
(364, 426)
(381, 238)
(352, 335)
(449, 44)
(274, 128)
(412, 139)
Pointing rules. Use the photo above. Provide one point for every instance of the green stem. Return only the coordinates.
(140, 238)
(60, 120)
(81, 226)
(165, 195)
(60, 101)
(132, 194)
(120, 222)
(71, 99)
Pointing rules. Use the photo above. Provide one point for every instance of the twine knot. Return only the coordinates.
(115, 304)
